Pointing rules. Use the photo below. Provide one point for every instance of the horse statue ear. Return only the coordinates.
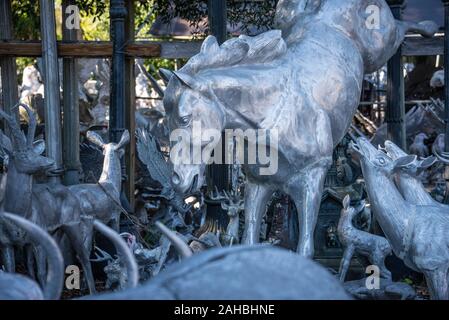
(188, 81)
(288, 11)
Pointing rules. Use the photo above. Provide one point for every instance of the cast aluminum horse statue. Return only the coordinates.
(305, 84)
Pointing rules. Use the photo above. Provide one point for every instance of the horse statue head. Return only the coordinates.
(195, 111)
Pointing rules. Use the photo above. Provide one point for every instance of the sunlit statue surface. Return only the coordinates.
(303, 81)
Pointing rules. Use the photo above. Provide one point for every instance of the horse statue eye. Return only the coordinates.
(381, 160)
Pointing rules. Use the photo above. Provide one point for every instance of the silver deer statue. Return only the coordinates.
(102, 200)
(51, 206)
(375, 248)
(233, 204)
(417, 233)
(302, 82)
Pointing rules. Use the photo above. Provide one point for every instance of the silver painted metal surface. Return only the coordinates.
(374, 247)
(231, 202)
(306, 84)
(102, 200)
(237, 273)
(417, 233)
(18, 287)
(50, 205)
(407, 181)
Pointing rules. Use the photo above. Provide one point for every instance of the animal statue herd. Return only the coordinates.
(304, 81)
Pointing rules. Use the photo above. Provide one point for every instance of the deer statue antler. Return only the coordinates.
(18, 138)
(101, 255)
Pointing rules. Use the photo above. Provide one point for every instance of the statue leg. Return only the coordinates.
(306, 191)
(8, 258)
(437, 281)
(256, 198)
(29, 253)
(76, 236)
(379, 260)
(345, 262)
(115, 223)
(41, 263)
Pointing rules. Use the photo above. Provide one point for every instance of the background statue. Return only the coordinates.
(417, 233)
(368, 245)
(305, 84)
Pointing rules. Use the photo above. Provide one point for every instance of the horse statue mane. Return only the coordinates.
(243, 50)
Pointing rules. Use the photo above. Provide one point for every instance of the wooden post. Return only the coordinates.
(395, 113)
(446, 92)
(118, 93)
(130, 108)
(71, 127)
(446, 71)
(218, 175)
(117, 108)
(10, 94)
(51, 83)
(218, 19)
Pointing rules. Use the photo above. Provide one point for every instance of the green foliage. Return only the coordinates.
(94, 8)
(259, 14)
(25, 15)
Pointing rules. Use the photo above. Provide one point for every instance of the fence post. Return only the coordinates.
(130, 107)
(51, 83)
(118, 93)
(395, 113)
(218, 175)
(446, 71)
(10, 93)
(117, 107)
(71, 127)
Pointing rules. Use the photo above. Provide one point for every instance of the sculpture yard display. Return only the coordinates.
(300, 86)
(51, 206)
(304, 83)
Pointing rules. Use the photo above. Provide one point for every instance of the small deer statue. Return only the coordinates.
(375, 248)
(233, 204)
(102, 200)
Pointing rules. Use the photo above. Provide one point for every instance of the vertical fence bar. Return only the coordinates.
(117, 107)
(10, 93)
(446, 71)
(51, 83)
(71, 127)
(130, 107)
(218, 175)
(395, 113)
